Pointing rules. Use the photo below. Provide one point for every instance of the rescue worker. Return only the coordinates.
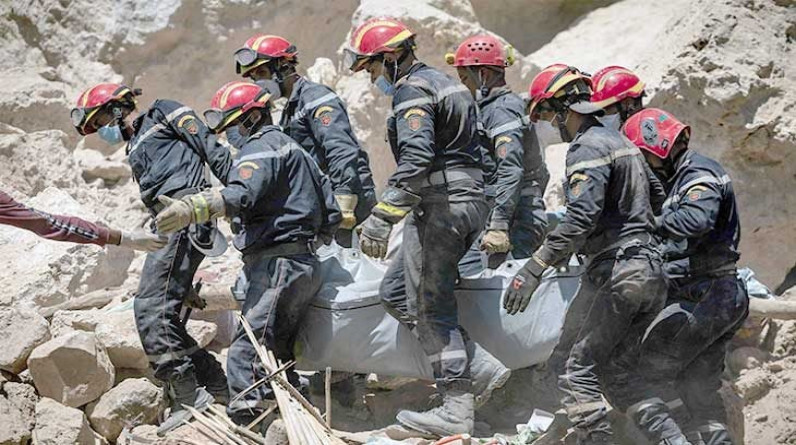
(517, 222)
(438, 189)
(608, 219)
(619, 93)
(168, 147)
(684, 348)
(318, 120)
(72, 229)
(285, 204)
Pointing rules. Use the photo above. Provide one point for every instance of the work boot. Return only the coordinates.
(183, 390)
(210, 374)
(455, 416)
(487, 373)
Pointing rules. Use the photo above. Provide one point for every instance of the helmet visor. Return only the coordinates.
(355, 62)
(214, 117)
(78, 116)
(245, 56)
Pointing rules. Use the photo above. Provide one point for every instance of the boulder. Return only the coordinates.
(96, 165)
(57, 424)
(73, 369)
(21, 330)
(133, 401)
(13, 427)
(64, 322)
(118, 332)
(753, 385)
(746, 357)
(23, 397)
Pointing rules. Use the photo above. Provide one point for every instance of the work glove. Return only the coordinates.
(347, 204)
(141, 239)
(496, 241)
(191, 209)
(374, 235)
(522, 287)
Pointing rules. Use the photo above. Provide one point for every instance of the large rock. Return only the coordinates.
(65, 322)
(118, 332)
(24, 398)
(13, 427)
(21, 330)
(95, 165)
(73, 369)
(133, 401)
(57, 424)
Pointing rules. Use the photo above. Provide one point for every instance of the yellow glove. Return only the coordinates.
(496, 241)
(191, 209)
(347, 204)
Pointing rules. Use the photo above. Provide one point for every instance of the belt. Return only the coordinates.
(721, 271)
(638, 239)
(158, 206)
(533, 190)
(282, 249)
(446, 176)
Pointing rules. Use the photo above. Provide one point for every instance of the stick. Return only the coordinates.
(246, 432)
(261, 417)
(202, 431)
(328, 388)
(777, 309)
(224, 434)
(262, 381)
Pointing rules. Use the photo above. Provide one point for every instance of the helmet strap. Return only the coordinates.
(561, 123)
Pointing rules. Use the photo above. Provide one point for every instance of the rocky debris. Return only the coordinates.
(27, 170)
(746, 358)
(22, 330)
(73, 369)
(95, 165)
(54, 272)
(118, 333)
(92, 300)
(753, 384)
(133, 402)
(13, 426)
(24, 398)
(64, 322)
(57, 424)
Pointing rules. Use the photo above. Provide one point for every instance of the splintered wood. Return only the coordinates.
(303, 423)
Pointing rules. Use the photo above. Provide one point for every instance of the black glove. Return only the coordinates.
(374, 235)
(521, 288)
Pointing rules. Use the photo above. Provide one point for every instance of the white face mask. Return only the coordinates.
(613, 121)
(547, 133)
(271, 86)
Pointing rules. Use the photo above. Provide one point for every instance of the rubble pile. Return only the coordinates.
(72, 370)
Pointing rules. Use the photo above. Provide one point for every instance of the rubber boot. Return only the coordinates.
(210, 374)
(487, 374)
(183, 390)
(455, 416)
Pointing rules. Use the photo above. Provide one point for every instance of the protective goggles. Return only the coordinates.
(217, 119)
(80, 118)
(356, 62)
(247, 56)
(214, 117)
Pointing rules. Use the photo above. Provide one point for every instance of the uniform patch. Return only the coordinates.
(501, 151)
(188, 123)
(414, 112)
(414, 118)
(324, 114)
(695, 192)
(246, 169)
(576, 183)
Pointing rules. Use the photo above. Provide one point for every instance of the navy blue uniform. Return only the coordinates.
(285, 204)
(168, 153)
(433, 133)
(609, 218)
(684, 348)
(318, 120)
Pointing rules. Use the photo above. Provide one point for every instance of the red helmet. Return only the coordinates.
(96, 97)
(613, 84)
(655, 131)
(261, 49)
(481, 50)
(233, 100)
(376, 36)
(567, 86)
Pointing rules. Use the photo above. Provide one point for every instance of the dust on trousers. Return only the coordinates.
(620, 294)
(418, 286)
(278, 292)
(166, 279)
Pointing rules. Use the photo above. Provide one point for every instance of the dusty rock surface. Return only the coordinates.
(21, 330)
(133, 401)
(57, 424)
(73, 369)
(14, 429)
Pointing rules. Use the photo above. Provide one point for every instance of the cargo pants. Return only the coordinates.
(418, 286)
(166, 279)
(682, 359)
(278, 292)
(620, 294)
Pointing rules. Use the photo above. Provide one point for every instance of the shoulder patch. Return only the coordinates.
(502, 140)
(246, 169)
(414, 112)
(321, 110)
(414, 117)
(576, 182)
(188, 123)
(695, 192)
